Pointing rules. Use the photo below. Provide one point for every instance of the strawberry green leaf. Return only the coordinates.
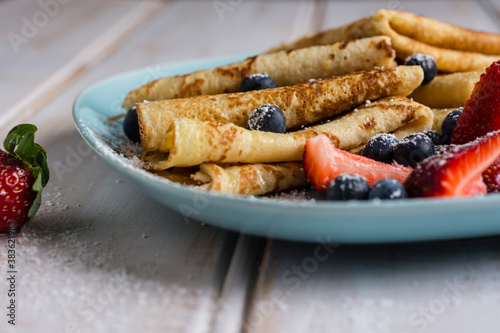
(41, 161)
(25, 147)
(20, 142)
(37, 186)
(15, 135)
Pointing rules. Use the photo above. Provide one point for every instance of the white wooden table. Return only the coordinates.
(103, 257)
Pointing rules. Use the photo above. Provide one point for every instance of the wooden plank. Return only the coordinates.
(431, 287)
(52, 55)
(308, 20)
(492, 7)
(247, 26)
(108, 257)
(238, 285)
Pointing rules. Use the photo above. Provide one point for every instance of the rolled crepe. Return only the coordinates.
(447, 91)
(191, 142)
(455, 49)
(286, 68)
(302, 104)
(251, 179)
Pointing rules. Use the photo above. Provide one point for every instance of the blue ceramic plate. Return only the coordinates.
(312, 221)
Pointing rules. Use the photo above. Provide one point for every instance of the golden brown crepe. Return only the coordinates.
(251, 179)
(286, 68)
(190, 142)
(447, 91)
(455, 49)
(302, 104)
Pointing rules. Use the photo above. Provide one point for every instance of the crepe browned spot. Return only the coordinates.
(302, 104)
(455, 49)
(190, 142)
(286, 68)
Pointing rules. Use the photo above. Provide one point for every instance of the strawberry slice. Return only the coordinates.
(457, 172)
(323, 162)
(482, 115)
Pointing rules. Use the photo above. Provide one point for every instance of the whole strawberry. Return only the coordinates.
(481, 115)
(23, 174)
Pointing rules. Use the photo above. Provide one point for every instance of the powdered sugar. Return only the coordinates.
(267, 117)
(130, 150)
(255, 118)
(258, 75)
(303, 194)
(427, 60)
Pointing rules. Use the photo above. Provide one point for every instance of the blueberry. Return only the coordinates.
(348, 187)
(388, 188)
(131, 125)
(267, 118)
(413, 149)
(426, 62)
(449, 123)
(257, 82)
(379, 147)
(436, 138)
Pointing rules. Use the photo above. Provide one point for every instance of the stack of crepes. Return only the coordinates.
(348, 89)
(460, 54)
